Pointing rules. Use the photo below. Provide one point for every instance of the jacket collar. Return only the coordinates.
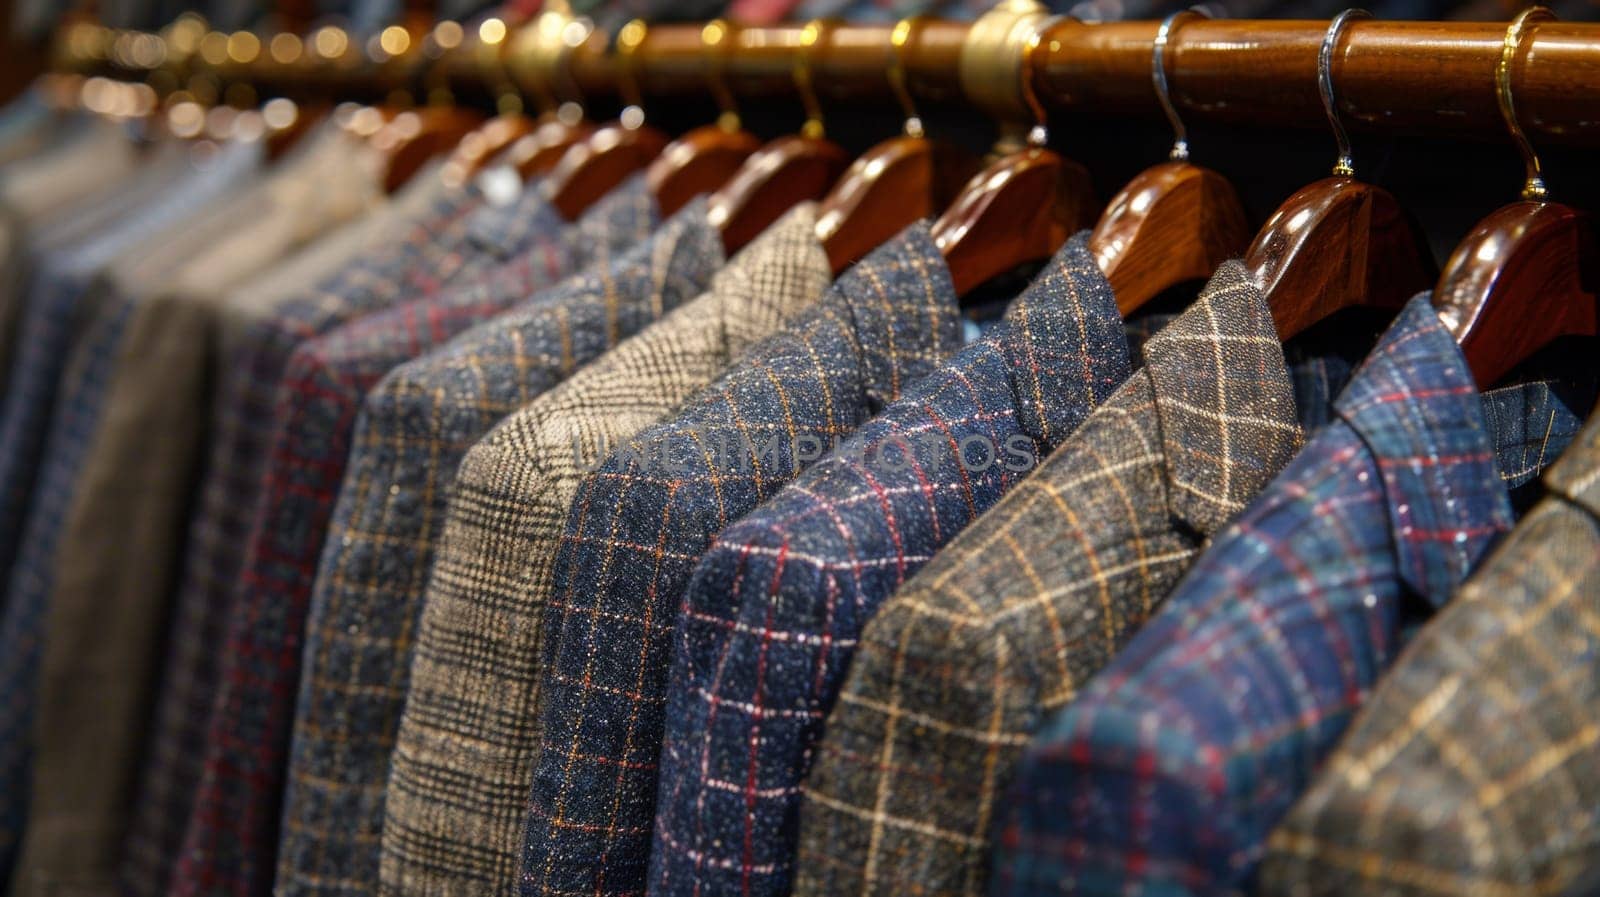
(1064, 343)
(1415, 407)
(902, 305)
(1576, 477)
(781, 272)
(1223, 400)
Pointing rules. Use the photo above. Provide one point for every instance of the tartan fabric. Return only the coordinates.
(954, 672)
(417, 262)
(79, 309)
(232, 833)
(775, 608)
(1168, 771)
(402, 461)
(463, 764)
(643, 518)
(1474, 767)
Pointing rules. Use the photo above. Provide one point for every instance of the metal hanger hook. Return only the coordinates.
(1158, 72)
(899, 39)
(712, 36)
(1533, 187)
(1346, 166)
(1039, 134)
(814, 32)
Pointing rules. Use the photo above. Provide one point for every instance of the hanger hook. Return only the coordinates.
(1533, 187)
(1346, 166)
(629, 39)
(899, 39)
(810, 36)
(1158, 69)
(1039, 134)
(712, 36)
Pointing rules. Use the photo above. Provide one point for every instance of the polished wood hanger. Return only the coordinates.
(785, 172)
(554, 132)
(895, 183)
(1530, 272)
(1172, 223)
(595, 166)
(1338, 243)
(707, 157)
(287, 123)
(1018, 210)
(485, 143)
(415, 136)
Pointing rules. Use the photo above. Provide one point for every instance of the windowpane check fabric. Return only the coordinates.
(957, 669)
(418, 261)
(402, 461)
(775, 608)
(468, 739)
(641, 521)
(1171, 767)
(1474, 767)
(232, 834)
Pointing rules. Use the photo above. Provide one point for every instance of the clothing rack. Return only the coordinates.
(1432, 78)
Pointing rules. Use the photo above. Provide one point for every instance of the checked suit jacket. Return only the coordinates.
(1169, 770)
(641, 521)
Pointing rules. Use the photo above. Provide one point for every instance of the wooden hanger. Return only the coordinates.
(1021, 208)
(1338, 243)
(707, 157)
(415, 136)
(478, 148)
(595, 166)
(785, 172)
(1530, 272)
(554, 132)
(1172, 223)
(897, 182)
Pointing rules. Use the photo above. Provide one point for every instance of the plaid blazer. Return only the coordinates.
(955, 671)
(789, 587)
(418, 261)
(232, 833)
(1168, 771)
(403, 457)
(643, 518)
(1474, 766)
(464, 760)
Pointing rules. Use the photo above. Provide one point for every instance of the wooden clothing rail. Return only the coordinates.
(1432, 78)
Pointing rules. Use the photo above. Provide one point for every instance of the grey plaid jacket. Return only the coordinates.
(464, 759)
(1474, 768)
(955, 671)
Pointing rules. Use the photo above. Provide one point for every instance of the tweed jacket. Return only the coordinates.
(1171, 767)
(464, 761)
(955, 671)
(1474, 766)
(402, 462)
(419, 258)
(641, 521)
(789, 587)
(233, 832)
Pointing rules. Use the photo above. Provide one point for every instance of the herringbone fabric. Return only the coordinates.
(232, 834)
(464, 762)
(1474, 768)
(1171, 767)
(641, 521)
(417, 261)
(402, 461)
(957, 669)
(775, 608)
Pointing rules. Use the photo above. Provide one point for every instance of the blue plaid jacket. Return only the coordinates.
(428, 254)
(1171, 768)
(642, 520)
(771, 618)
(414, 428)
(233, 829)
